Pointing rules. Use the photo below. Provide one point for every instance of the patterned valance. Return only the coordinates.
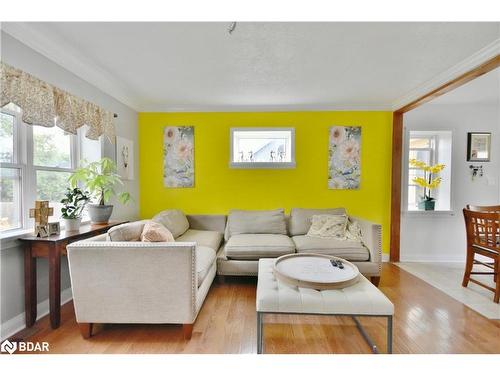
(47, 105)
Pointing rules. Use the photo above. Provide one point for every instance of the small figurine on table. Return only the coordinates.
(41, 214)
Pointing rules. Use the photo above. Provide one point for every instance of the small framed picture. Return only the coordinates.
(42, 231)
(54, 228)
(478, 146)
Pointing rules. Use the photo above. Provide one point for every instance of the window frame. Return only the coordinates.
(432, 160)
(24, 157)
(435, 134)
(262, 165)
(18, 163)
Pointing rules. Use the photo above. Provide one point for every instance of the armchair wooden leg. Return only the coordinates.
(86, 329)
(496, 299)
(187, 330)
(375, 280)
(497, 281)
(497, 270)
(468, 267)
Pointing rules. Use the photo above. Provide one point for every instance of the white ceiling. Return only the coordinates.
(261, 66)
(482, 90)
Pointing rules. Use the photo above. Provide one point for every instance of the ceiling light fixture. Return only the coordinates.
(231, 27)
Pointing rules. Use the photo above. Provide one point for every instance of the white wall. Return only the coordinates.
(11, 257)
(441, 236)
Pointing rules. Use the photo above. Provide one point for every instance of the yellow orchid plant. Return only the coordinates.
(429, 181)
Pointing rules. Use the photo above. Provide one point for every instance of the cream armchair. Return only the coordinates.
(138, 282)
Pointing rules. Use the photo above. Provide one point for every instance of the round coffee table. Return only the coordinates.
(315, 271)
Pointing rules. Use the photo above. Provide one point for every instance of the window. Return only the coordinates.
(53, 161)
(10, 172)
(7, 122)
(431, 147)
(35, 165)
(262, 148)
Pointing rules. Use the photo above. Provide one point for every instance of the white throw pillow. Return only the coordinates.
(328, 226)
(353, 232)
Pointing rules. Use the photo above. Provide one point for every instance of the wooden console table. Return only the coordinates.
(52, 247)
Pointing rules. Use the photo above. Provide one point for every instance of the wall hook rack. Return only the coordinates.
(476, 170)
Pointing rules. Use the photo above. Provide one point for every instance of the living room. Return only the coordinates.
(250, 187)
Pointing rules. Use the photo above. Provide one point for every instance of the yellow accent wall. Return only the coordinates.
(219, 188)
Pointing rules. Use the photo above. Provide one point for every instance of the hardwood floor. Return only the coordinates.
(426, 321)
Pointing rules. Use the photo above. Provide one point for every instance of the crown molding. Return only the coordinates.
(478, 58)
(269, 108)
(59, 51)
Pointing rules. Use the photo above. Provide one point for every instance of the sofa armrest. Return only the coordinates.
(215, 223)
(99, 238)
(372, 238)
(133, 282)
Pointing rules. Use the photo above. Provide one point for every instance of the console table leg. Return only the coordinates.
(55, 285)
(389, 334)
(260, 331)
(30, 298)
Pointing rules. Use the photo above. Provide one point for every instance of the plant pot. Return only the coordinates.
(99, 213)
(427, 205)
(71, 225)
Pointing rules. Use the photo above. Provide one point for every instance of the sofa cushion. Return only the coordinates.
(249, 222)
(206, 238)
(300, 218)
(256, 246)
(205, 257)
(348, 250)
(127, 232)
(174, 220)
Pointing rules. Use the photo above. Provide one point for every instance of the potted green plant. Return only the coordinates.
(74, 202)
(100, 178)
(428, 182)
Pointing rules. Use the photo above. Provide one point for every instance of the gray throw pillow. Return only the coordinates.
(247, 222)
(174, 220)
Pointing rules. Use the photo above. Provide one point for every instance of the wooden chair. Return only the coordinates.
(495, 209)
(483, 237)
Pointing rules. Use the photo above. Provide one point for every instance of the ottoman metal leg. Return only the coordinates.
(260, 331)
(365, 335)
(389, 334)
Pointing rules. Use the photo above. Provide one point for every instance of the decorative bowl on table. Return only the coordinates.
(315, 271)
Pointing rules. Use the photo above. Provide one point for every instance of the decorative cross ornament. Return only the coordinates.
(41, 214)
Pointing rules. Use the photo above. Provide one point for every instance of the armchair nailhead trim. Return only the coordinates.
(194, 285)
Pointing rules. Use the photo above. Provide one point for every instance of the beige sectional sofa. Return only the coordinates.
(116, 278)
(245, 244)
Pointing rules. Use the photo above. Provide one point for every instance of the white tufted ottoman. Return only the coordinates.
(361, 299)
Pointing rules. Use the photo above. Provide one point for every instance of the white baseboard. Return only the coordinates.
(385, 257)
(18, 323)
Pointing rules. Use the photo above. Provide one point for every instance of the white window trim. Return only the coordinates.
(24, 160)
(262, 165)
(405, 182)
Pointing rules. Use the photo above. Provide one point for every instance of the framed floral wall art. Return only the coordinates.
(178, 156)
(344, 157)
